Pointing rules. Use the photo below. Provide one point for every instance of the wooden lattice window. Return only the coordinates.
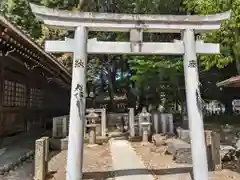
(36, 97)
(14, 94)
(20, 95)
(9, 93)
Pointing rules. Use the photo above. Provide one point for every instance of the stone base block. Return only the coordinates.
(135, 139)
(175, 145)
(180, 150)
(58, 144)
(160, 150)
(159, 140)
(92, 145)
(183, 155)
(183, 134)
(119, 135)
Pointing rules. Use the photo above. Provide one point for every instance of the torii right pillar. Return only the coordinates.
(196, 126)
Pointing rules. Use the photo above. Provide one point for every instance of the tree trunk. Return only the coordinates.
(80, 4)
(111, 78)
(236, 49)
(237, 64)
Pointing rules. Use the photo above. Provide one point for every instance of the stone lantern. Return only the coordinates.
(92, 118)
(145, 124)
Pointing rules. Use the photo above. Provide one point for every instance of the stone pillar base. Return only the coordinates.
(145, 136)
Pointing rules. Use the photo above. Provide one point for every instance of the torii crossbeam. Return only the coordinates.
(136, 24)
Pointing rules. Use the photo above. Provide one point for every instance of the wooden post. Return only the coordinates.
(40, 169)
(28, 107)
(2, 96)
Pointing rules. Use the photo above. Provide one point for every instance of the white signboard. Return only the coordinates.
(236, 105)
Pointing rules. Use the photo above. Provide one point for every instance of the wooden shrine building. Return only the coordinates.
(34, 87)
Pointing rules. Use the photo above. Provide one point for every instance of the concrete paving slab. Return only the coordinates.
(126, 163)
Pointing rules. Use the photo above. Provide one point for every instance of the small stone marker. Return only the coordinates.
(92, 134)
(184, 135)
(92, 117)
(145, 124)
(131, 122)
(65, 126)
(40, 169)
(170, 123)
(213, 150)
(57, 131)
(163, 123)
(156, 121)
(103, 122)
(145, 135)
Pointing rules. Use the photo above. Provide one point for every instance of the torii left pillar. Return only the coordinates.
(78, 104)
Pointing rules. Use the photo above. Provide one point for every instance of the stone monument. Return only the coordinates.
(92, 117)
(145, 124)
(131, 119)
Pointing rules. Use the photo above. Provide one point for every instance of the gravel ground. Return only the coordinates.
(163, 167)
(97, 164)
(23, 141)
(24, 172)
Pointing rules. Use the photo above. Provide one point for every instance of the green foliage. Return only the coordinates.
(155, 75)
(150, 74)
(19, 13)
(227, 36)
(60, 4)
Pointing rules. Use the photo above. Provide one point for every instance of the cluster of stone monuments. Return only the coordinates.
(221, 146)
(158, 125)
(144, 124)
(101, 124)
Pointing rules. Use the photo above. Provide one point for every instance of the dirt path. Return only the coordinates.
(164, 168)
(97, 164)
(24, 172)
(17, 146)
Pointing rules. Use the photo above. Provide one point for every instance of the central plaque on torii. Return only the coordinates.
(80, 46)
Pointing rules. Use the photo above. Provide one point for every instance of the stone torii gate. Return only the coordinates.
(80, 46)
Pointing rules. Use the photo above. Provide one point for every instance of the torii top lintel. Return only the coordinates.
(124, 22)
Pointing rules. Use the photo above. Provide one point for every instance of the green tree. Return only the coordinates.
(19, 13)
(227, 36)
(155, 76)
(149, 74)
